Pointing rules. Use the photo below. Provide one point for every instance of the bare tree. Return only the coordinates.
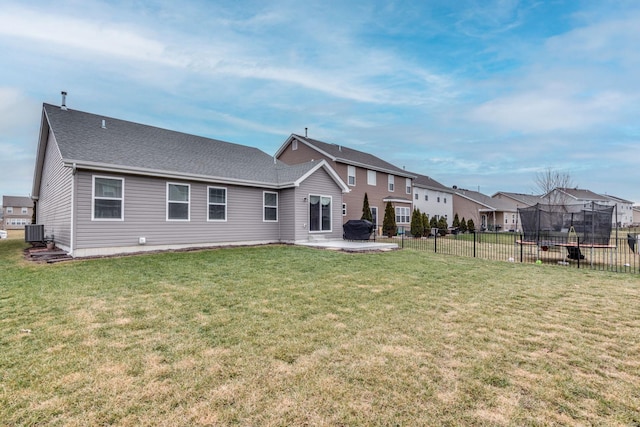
(551, 179)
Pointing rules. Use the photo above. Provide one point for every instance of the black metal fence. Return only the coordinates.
(620, 254)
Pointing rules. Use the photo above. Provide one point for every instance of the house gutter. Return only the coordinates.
(102, 167)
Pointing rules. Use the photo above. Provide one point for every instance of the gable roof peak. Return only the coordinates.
(342, 154)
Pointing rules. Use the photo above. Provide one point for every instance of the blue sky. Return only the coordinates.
(478, 94)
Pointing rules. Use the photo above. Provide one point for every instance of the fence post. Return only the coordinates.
(474, 243)
(435, 242)
(579, 251)
(521, 248)
(402, 239)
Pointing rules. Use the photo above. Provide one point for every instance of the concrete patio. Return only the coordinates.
(350, 245)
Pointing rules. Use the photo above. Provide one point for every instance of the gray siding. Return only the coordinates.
(54, 205)
(287, 201)
(145, 216)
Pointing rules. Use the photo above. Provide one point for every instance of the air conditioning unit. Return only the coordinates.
(34, 233)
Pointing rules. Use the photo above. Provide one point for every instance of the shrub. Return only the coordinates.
(471, 226)
(442, 226)
(417, 227)
(366, 210)
(425, 225)
(389, 227)
(463, 225)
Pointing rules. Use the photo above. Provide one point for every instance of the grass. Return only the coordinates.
(283, 335)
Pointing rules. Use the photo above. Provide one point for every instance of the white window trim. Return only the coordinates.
(399, 217)
(226, 200)
(264, 206)
(294, 145)
(93, 198)
(391, 183)
(9, 209)
(25, 211)
(330, 213)
(408, 185)
(351, 172)
(371, 177)
(188, 202)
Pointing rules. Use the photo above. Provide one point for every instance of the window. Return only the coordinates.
(371, 177)
(351, 175)
(402, 215)
(25, 211)
(294, 145)
(178, 202)
(344, 209)
(417, 196)
(319, 213)
(438, 199)
(9, 210)
(391, 178)
(270, 207)
(408, 185)
(108, 198)
(217, 204)
(445, 200)
(426, 197)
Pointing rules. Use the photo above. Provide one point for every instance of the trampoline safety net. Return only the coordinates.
(591, 224)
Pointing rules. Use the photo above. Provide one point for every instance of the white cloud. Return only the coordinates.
(547, 110)
(86, 34)
(338, 66)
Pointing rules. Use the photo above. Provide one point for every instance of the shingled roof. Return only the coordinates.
(490, 203)
(342, 154)
(424, 181)
(581, 194)
(524, 199)
(17, 201)
(99, 142)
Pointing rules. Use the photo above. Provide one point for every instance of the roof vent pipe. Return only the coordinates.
(104, 124)
(305, 132)
(63, 106)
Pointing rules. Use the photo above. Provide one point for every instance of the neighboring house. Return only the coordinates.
(433, 198)
(623, 211)
(363, 173)
(573, 196)
(107, 186)
(636, 216)
(514, 201)
(580, 196)
(487, 213)
(17, 212)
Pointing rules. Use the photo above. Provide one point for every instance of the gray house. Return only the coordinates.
(107, 186)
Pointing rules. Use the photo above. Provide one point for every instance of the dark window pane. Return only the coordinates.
(108, 209)
(270, 214)
(178, 193)
(217, 195)
(178, 211)
(270, 199)
(106, 187)
(216, 212)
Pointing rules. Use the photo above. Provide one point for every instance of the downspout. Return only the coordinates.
(73, 210)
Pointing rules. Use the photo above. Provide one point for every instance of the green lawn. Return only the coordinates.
(287, 336)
